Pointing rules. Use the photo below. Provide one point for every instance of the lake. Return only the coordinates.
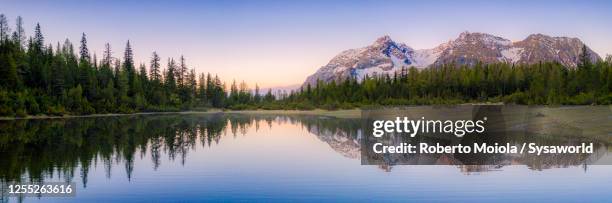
(250, 157)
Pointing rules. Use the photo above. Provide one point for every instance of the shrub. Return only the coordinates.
(583, 98)
(238, 107)
(21, 113)
(56, 110)
(515, 98)
(304, 106)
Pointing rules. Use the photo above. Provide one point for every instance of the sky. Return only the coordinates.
(278, 43)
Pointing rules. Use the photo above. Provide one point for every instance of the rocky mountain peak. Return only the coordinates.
(385, 39)
(484, 38)
(537, 36)
(540, 47)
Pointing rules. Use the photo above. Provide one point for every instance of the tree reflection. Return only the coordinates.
(35, 150)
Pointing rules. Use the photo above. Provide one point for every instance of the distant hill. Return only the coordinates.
(279, 90)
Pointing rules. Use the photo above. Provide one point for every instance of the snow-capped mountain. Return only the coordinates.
(385, 56)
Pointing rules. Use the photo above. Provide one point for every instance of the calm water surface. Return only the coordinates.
(260, 158)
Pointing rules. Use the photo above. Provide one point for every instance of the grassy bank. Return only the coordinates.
(108, 115)
(349, 113)
(353, 113)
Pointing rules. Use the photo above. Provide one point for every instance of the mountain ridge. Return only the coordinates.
(386, 56)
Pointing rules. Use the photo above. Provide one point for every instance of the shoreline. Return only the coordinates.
(352, 113)
(342, 113)
(40, 117)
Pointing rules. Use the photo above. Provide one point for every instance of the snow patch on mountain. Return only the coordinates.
(512, 55)
(377, 70)
(426, 57)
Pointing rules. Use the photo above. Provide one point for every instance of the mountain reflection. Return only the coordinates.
(35, 150)
(510, 124)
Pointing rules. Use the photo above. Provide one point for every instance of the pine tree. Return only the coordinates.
(130, 70)
(19, 36)
(217, 92)
(257, 97)
(4, 29)
(191, 85)
(202, 89)
(143, 81)
(209, 86)
(58, 81)
(85, 71)
(584, 69)
(143, 73)
(584, 58)
(71, 67)
(181, 72)
(38, 40)
(155, 66)
(269, 96)
(122, 87)
(83, 50)
(36, 60)
(106, 72)
(116, 72)
(170, 80)
(233, 94)
(107, 56)
(95, 61)
(244, 94)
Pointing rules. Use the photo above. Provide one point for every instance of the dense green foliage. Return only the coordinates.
(38, 78)
(539, 84)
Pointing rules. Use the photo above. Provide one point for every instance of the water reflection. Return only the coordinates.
(37, 150)
(33, 150)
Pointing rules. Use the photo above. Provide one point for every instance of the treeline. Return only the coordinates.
(547, 83)
(39, 78)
